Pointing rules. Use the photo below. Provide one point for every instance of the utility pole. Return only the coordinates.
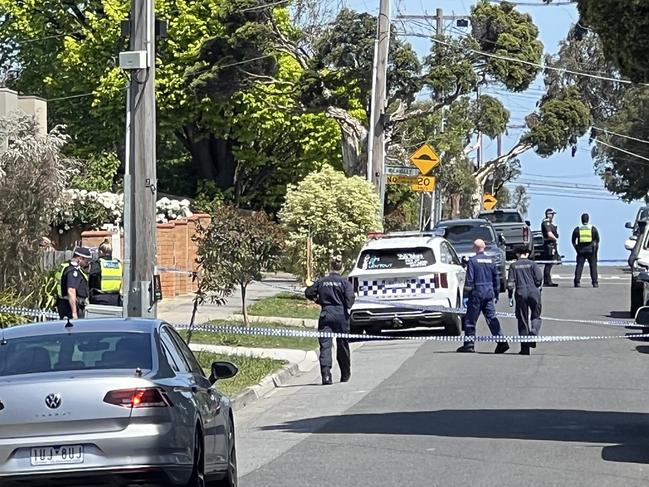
(376, 136)
(140, 179)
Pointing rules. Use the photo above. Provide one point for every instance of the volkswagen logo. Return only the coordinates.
(53, 401)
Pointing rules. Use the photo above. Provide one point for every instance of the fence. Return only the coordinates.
(51, 260)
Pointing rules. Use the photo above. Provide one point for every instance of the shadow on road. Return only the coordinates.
(628, 432)
(620, 315)
(642, 348)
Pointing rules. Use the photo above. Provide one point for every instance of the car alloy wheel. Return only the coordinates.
(198, 472)
(230, 479)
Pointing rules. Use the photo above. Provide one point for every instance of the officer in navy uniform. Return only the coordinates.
(481, 290)
(105, 277)
(550, 246)
(72, 288)
(524, 281)
(336, 296)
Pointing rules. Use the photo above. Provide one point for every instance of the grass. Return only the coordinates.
(258, 341)
(285, 305)
(251, 370)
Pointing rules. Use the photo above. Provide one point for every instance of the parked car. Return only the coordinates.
(639, 264)
(122, 401)
(395, 273)
(642, 215)
(514, 228)
(462, 234)
(537, 240)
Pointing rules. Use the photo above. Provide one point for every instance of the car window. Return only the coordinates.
(467, 233)
(404, 258)
(455, 260)
(171, 349)
(502, 217)
(76, 351)
(189, 357)
(445, 256)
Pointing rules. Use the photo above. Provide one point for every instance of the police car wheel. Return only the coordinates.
(453, 325)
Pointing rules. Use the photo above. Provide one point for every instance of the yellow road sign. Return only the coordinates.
(401, 179)
(489, 201)
(425, 158)
(424, 183)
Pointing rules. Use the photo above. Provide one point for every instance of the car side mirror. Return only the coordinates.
(464, 261)
(642, 316)
(528, 223)
(501, 239)
(222, 370)
(628, 225)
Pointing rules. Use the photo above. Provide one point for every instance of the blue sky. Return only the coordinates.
(607, 213)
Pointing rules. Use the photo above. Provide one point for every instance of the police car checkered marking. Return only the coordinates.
(415, 286)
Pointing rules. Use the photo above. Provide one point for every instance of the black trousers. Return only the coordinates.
(528, 311)
(549, 255)
(582, 257)
(65, 311)
(343, 354)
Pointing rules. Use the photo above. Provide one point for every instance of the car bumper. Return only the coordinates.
(399, 315)
(139, 450)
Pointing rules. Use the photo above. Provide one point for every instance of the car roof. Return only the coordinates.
(402, 241)
(500, 210)
(94, 325)
(465, 221)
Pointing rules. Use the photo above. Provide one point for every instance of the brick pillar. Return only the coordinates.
(181, 255)
(93, 239)
(165, 257)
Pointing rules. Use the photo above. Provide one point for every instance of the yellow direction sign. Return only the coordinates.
(489, 201)
(424, 184)
(425, 158)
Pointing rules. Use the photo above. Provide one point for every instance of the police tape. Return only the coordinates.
(291, 333)
(462, 311)
(28, 312)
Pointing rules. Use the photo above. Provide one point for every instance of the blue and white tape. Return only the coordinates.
(29, 312)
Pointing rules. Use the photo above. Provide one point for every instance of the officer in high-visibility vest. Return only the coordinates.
(72, 285)
(105, 277)
(585, 240)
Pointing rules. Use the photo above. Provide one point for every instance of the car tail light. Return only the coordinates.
(138, 398)
(443, 279)
(526, 234)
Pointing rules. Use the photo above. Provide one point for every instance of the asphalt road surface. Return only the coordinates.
(418, 414)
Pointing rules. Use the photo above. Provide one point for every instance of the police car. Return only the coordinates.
(398, 274)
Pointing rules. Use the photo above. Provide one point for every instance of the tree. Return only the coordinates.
(334, 211)
(234, 250)
(33, 175)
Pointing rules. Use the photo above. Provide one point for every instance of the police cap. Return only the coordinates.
(550, 211)
(82, 252)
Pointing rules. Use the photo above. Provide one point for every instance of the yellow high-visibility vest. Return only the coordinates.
(585, 234)
(59, 276)
(111, 275)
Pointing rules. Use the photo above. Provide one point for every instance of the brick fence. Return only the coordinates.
(176, 253)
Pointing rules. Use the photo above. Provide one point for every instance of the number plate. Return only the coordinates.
(56, 455)
(395, 283)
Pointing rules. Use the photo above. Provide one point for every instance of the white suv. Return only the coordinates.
(397, 273)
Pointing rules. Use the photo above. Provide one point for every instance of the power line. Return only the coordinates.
(531, 4)
(621, 135)
(46, 38)
(521, 61)
(563, 195)
(261, 7)
(622, 150)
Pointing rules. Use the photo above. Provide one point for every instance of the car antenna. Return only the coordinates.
(3, 340)
(68, 324)
(138, 372)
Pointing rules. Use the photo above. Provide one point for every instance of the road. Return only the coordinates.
(418, 414)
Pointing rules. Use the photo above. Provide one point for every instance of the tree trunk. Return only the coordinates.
(354, 141)
(455, 205)
(212, 158)
(243, 304)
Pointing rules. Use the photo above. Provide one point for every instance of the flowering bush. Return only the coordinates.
(93, 209)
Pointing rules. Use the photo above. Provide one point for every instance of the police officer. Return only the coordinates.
(585, 240)
(524, 281)
(550, 248)
(482, 287)
(336, 296)
(72, 287)
(105, 277)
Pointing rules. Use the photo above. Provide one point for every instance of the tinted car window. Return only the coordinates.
(384, 259)
(502, 217)
(174, 357)
(76, 351)
(187, 353)
(463, 233)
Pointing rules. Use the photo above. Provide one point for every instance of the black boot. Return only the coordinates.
(525, 348)
(466, 348)
(502, 347)
(326, 376)
(345, 377)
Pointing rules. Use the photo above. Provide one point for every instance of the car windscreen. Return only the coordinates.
(502, 217)
(403, 258)
(460, 234)
(75, 351)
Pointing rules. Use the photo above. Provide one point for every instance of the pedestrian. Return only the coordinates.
(105, 277)
(336, 296)
(524, 282)
(481, 290)
(72, 285)
(585, 240)
(550, 246)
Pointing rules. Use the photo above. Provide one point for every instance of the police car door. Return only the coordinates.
(453, 268)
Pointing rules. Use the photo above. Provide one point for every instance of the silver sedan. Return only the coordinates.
(111, 401)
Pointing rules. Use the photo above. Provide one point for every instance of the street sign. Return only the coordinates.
(425, 158)
(424, 184)
(401, 179)
(401, 171)
(489, 201)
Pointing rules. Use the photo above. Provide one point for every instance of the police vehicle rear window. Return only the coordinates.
(457, 234)
(386, 259)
